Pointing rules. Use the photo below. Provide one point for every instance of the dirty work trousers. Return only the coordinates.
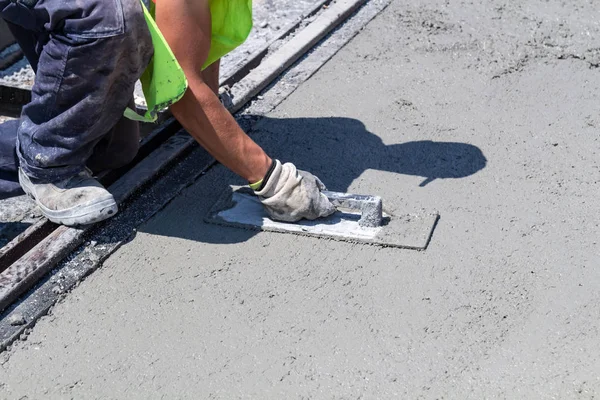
(87, 55)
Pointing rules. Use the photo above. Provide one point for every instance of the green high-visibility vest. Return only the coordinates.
(163, 81)
(231, 25)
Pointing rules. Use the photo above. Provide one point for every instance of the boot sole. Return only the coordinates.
(81, 215)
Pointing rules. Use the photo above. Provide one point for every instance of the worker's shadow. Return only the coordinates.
(339, 150)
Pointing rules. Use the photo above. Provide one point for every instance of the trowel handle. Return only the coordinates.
(370, 207)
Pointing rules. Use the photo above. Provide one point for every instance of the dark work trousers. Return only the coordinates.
(87, 55)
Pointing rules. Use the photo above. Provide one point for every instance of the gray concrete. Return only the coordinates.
(484, 111)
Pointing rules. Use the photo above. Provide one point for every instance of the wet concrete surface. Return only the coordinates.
(484, 111)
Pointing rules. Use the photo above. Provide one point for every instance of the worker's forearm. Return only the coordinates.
(186, 25)
(204, 117)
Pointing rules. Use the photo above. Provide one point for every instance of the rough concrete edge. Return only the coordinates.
(39, 301)
(101, 243)
(285, 56)
(25, 272)
(286, 34)
(310, 63)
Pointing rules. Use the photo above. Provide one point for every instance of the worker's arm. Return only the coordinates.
(186, 26)
(288, 194)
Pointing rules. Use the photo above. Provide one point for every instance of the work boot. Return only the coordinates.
(78, 200)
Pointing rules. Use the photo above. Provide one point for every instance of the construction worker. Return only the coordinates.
(87, 56)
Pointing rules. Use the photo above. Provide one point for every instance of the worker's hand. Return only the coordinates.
(290, 194)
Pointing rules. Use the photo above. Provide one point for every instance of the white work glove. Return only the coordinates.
(290, 194)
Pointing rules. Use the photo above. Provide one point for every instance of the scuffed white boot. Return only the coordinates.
(78, 200)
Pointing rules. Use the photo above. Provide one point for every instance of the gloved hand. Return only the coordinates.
(290, 194)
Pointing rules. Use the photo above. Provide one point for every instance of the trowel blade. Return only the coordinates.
(239, 207)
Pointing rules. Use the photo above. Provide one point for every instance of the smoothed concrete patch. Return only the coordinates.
(238, 207)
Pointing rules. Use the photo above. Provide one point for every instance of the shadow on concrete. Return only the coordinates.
(338, 150)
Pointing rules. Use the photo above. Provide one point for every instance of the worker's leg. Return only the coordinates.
(90, 53)
(85, 79)
(9, 162)
(186, 26)
(9, 178)
(118, 147)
